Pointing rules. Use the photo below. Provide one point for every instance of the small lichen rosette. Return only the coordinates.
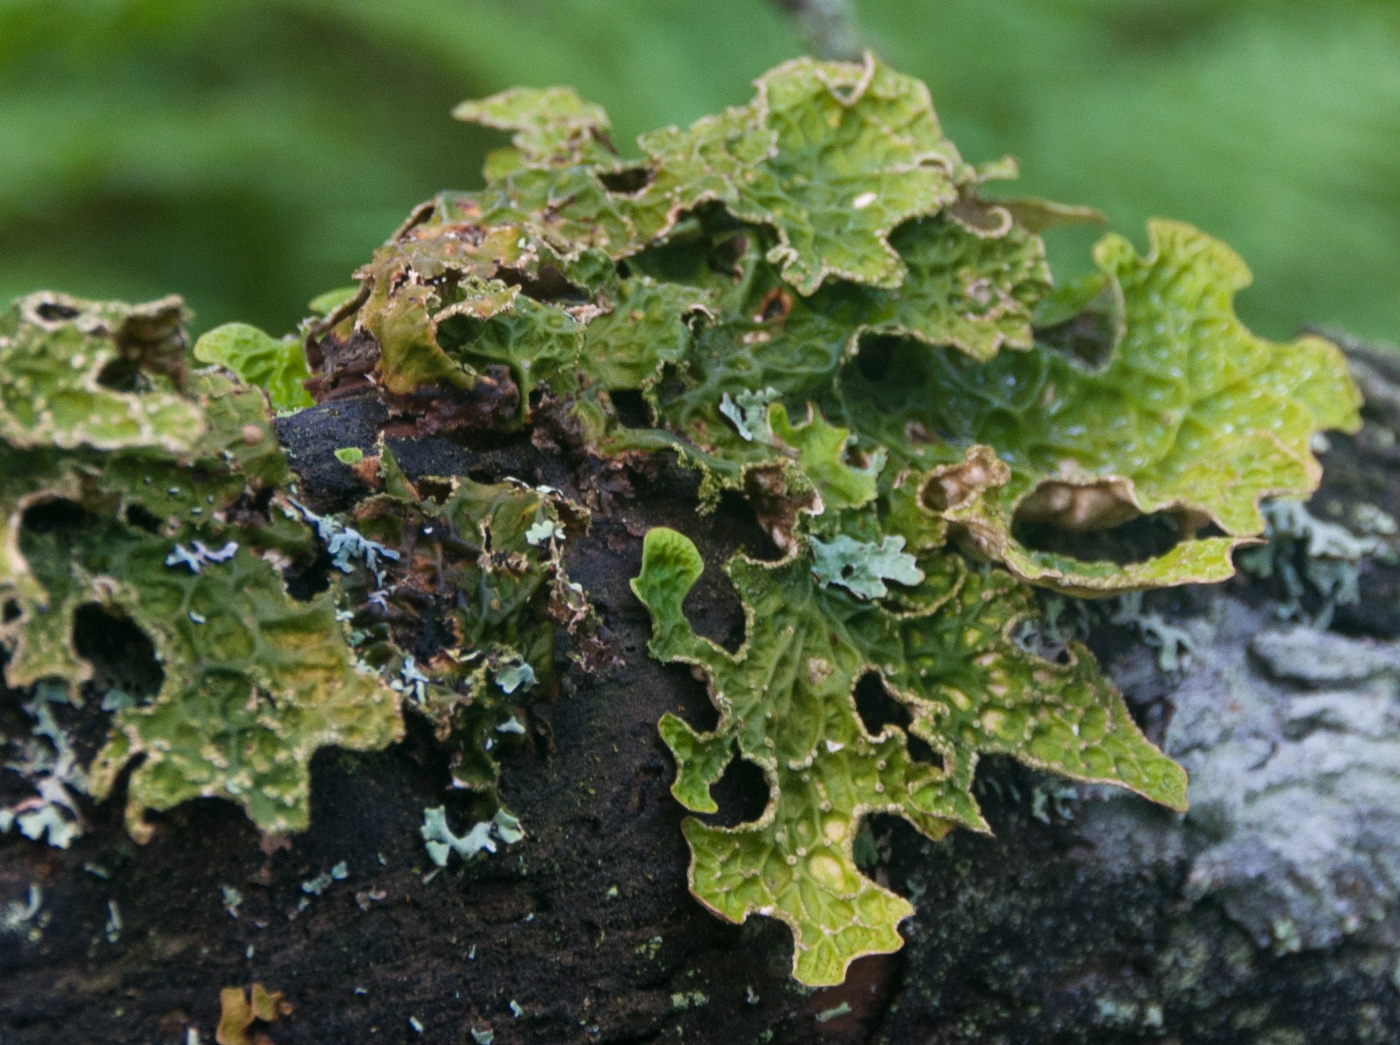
(787, 704)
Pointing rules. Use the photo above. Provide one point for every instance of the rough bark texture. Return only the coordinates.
(1269, 915)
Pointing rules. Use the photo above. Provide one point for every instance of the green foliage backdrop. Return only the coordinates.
(250, 153)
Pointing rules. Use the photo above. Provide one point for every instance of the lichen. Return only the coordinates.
(469, 564)
(811, 300)
(787, 704)
(277, 366)
(240, 1009)
(1141, 394)
(1316, 562)
(48, 761)
(139, 489)
(825, 249)
(483, 837)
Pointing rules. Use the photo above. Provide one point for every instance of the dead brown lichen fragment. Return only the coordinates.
(239, 1011)
(491, 404)
(341, 366)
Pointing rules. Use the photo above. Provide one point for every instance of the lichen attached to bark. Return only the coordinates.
(787, 704)
(813, 300)
(139, 492)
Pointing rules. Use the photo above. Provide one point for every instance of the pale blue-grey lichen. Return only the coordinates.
(441, 841)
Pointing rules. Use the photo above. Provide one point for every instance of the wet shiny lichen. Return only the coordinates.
(787, 704)
(826, 248)
(825, 254)
(811, 299)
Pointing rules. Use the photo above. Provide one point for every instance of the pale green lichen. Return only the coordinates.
(277, 366)
(748, 411)
(323, 881)
(1174, 645)
(49, 763)
(1317, 562)
(862, 567)
(441, 842)
(25, 915)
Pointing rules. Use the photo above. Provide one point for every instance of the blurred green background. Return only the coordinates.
(251, 153)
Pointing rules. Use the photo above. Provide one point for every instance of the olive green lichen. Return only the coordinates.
(811, 299)
(787, 704)
(136, 487)
(484, 564)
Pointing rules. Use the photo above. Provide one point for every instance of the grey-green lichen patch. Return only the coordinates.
(862, 567)
(25, 916)
(153, 512)
(47, 760)
(748, 413)
(1295, 781)
(1173, 643)
(484, 836)
(1317, 562)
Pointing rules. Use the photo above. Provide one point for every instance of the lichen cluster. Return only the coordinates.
(815, 302)
(147, 503)
(142, 498)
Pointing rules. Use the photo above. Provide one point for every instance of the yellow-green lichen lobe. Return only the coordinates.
(811, 300)
(786, 703)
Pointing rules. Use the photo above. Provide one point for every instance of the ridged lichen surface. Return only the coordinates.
(813, 301)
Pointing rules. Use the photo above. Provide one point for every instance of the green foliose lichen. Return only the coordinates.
(150, 501)
(812, 300)
(138, 490)
(787, 704)
(815, 301)
(277, 366)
